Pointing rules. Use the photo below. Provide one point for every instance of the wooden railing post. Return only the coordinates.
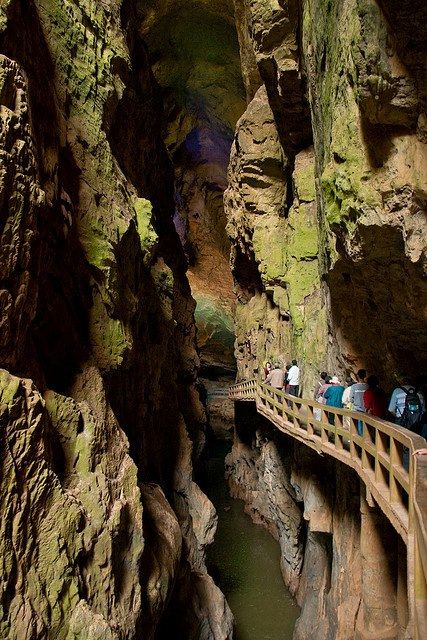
(383, 459)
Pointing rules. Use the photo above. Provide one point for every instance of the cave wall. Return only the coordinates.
(367, 96)
(335, 276)
(280, 308)
(326, 209)
(103, 529)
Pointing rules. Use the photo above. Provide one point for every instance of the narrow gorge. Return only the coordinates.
(190, 189)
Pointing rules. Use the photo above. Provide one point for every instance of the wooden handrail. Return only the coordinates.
(384, 457)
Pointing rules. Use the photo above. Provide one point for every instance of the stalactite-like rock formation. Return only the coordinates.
(103, 528)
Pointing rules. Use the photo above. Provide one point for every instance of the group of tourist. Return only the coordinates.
(287, 379)
(406, 405)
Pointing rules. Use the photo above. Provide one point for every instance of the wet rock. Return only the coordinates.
(273, 226)
(314, 507)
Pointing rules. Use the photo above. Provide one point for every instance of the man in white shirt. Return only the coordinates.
(293, 379)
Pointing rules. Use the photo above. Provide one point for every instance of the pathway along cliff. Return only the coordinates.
(144, 143)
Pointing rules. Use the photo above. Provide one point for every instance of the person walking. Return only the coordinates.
(286, 380)
(326, 383)
(321, 393)
(293, 379)
(322, 379)
(276, 377)
(333, 396)
(346, 395)
(374, 398)
(356, 397)
(407, 406)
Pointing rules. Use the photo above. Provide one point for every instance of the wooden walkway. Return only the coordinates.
(384, 457)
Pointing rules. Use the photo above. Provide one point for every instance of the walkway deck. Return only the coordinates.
(384, 457)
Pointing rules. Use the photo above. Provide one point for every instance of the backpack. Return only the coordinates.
(412, 411)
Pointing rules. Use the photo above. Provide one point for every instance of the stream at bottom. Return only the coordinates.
(244, 561)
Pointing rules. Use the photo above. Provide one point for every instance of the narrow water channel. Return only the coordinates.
(244, 560)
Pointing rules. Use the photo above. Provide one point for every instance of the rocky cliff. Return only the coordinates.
(103, 528)
(341, 559)
(327, 195)
(326, 206)
(117, 118)
(194, 53)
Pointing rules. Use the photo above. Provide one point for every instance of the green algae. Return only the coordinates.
(305, 184)
(332, 32)
(9, 386)
(147, 235)
(269, 247)
(215, 327)
(109, 338)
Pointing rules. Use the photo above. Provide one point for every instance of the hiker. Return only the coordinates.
(346, 395)
(407, 406)
(320, 394)
(267, 369)
(421, 385)
(293, 379)
(322, 379)
(356, 397)
(333, 396)
(319, 389)
(276, 377)
(374, 398)
(286, 380)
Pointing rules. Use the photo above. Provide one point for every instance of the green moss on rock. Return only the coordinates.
(147, 235)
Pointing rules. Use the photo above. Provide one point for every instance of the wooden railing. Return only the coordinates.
(384, 457)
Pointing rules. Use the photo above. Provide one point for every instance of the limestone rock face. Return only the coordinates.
(22, 201)
(368, 122)
(273, 26)
(272, 223)
(312, 506)
(101, 421)
(70, 523)
(326, 210)
(346, 215)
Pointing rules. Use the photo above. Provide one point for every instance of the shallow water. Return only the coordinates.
(244, 560)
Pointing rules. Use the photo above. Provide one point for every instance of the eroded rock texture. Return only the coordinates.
(275, 246)
(339, 253)
(326, 208)
(195, 57)
(104, 529)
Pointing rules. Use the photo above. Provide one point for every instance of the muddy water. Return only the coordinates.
(244, 560)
